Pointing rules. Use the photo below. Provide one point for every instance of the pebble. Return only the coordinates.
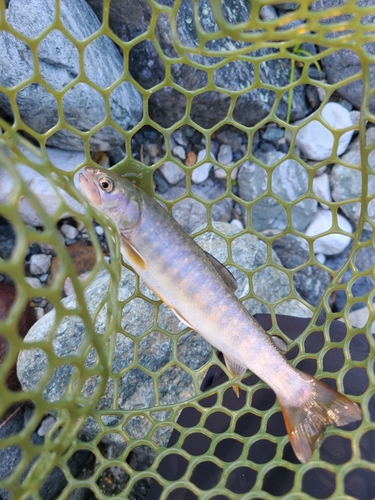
(321, 93)
(332, 243)
(268, 13)
(322, 189)
(179, 151)
(225, 155)
(201, 173)
(180, 137)
(40, 264)
(69, 231)
(172, 172)
(237, 223)
(316, 141)
(34, 282)
(39, 312)
(191, 159)
(99, 230)
(221, 173)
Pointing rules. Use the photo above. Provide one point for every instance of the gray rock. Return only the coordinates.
(344, 63)
(347, 182)
(172, 172)
(287, 6)
(83, 106)
(311, 281)
(225, 155)
(40, 263)
(179, 151)
(268, 13)
(289, 181)
(7, 238)
(167, 105)
(69, 231)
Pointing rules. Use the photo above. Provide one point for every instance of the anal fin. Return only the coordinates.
(236, 370)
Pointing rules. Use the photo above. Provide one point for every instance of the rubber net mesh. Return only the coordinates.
(95, 398)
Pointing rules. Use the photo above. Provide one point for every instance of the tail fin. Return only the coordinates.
(306, 423)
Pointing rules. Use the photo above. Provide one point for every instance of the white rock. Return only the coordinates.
(99, 230)
(201, 173)
(69, 231)
(34, 282)
(322, 189)
(221, 173)
(225, 155)
(237, 223)
(321, 93)
(172, 172)
(40, 263)
(332, 243)
(320, 257)
(316, 141)
(179, 151)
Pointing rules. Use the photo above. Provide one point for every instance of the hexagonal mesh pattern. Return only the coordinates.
(108, 393)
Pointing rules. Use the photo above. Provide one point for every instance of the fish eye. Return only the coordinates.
(106, 184)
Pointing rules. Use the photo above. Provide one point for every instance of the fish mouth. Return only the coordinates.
(88, 186)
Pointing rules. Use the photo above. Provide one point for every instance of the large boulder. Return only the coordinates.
(83, 106)
(129, 19)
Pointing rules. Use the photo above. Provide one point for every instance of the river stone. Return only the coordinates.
(347, 182)
(136, 389)
(310, 281)
(83, 106)
(167, 105)
(316, 141)
(289, 181)
(344, 63)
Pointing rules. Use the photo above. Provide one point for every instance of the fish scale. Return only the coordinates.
(199, 291)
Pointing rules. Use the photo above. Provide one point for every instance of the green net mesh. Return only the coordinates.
(97, 396)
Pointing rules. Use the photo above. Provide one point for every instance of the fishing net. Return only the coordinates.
(93, 397)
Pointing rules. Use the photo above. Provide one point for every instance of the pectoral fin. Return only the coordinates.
(225, 274)
(236, 370)
(131, 254)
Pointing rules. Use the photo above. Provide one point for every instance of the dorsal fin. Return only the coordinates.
(225, 274)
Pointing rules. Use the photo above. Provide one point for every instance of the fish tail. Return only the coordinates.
(323, 407)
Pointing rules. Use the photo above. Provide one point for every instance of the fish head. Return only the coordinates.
(112, 195)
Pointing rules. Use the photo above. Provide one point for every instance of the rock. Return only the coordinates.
(225, 155)
(311, 281)
(347, 182)
(33, 282)
(332, 243)
(287, 6)
(50, 197)
(128, 20)
(83, 106)
(289, 181)
(172, 172)
(7, 238)
(201, 173)
(11, 457)
(268, 13)
(69, 231)
(359, 318)
(322, 189)
(315, 140)
(342, 64)
(179, 151)
(191, 159)
(40, 263)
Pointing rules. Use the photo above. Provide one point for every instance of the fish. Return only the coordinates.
(200, 292)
